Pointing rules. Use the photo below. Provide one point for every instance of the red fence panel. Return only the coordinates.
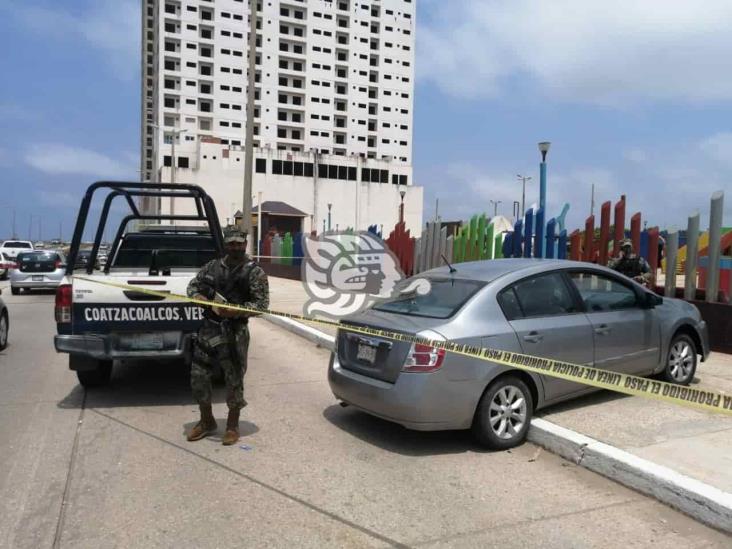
(589, 248)
(575, 246)
(619, 224)
(604, 231)
(635, 231)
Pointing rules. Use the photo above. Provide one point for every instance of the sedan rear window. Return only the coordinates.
(37, 256)
(445, 298)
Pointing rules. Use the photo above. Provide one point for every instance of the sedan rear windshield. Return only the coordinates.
(37, 256)
(445, 297)
(13, 244)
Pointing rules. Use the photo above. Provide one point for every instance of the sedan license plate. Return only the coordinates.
(37, 278)
(367, 353)
(143, 342)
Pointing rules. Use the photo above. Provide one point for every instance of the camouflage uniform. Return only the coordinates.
(225, 341)
(631, 265)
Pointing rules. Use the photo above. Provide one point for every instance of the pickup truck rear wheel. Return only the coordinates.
(97, 377)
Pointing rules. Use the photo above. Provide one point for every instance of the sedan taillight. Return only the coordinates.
(62, 312)
(423, 358)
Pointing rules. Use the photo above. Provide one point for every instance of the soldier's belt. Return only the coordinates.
(709, 401)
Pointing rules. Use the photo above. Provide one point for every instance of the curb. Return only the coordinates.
(701, 501)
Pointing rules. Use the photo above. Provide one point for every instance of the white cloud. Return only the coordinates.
(608, 53)
(57, 199)
(110, 26)
(718, 147)
(58, 159)
(635, 155)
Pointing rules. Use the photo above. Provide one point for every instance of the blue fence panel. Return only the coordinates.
(518, 231)
(551, 228)
(539, 244)
(528, 232)
(562, 245)
(297, 251)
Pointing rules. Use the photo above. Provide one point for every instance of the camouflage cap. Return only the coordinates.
(233, 233)
(626, 242)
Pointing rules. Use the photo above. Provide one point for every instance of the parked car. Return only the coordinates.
(37, 270)
(11, 248)
(82, 260)
(4, 324)
(570, 311)
(6, 263)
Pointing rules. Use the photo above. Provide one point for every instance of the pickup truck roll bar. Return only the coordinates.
(205, 211)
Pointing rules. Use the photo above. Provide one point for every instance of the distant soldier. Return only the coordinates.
(630, 264)
(223, 338)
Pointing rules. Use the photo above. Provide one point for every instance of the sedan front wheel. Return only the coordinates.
(504, 414)
(681, 361)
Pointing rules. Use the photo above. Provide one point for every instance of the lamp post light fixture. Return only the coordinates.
(329, 207)
(543, 149)
(523, 179)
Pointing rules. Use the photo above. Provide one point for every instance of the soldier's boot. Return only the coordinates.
(206, 426)
(231, 436)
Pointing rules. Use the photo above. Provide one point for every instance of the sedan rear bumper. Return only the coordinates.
(419, 401)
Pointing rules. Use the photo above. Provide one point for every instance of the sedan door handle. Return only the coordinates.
(602, 329)
(533, 337)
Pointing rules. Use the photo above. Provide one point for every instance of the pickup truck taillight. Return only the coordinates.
(63, 303)
(423, 358)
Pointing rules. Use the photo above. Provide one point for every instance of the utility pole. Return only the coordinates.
(249, 139)
(495, 206)
(523, 193)
(592, 201)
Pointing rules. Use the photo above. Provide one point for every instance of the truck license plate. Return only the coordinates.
(37, 278)
(143, 342)
(367, 353)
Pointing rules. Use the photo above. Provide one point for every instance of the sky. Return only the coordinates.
(635, 97)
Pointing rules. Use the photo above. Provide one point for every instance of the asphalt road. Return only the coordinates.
(111, 468)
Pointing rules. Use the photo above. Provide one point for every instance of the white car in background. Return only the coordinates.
(9, 250)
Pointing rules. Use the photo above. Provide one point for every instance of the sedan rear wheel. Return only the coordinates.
(681, 361)
(504, 414)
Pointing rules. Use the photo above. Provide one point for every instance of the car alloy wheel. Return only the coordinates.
(503, 415)
(681, 364)
(507, 412)
(3, 330)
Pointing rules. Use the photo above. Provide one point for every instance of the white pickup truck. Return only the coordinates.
(98, 323)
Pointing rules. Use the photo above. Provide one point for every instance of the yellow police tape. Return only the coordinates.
(708, 401)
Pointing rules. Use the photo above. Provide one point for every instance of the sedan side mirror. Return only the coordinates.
(651, 300)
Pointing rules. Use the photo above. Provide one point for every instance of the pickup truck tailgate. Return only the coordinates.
(100, 308)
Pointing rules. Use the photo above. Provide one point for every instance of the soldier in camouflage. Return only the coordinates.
(631, 265)
(223, 338)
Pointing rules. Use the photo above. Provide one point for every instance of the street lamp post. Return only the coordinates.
(401, 206)
(329, 207)
(523, 192)
(543, 149)
(495, 206)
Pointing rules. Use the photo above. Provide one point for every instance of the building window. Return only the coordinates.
(261, 165)
(277, 167)
(182, 161)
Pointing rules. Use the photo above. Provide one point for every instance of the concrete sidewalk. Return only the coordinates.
(676, 441)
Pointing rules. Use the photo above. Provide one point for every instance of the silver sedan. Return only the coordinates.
(37, 270)
(564, 310)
